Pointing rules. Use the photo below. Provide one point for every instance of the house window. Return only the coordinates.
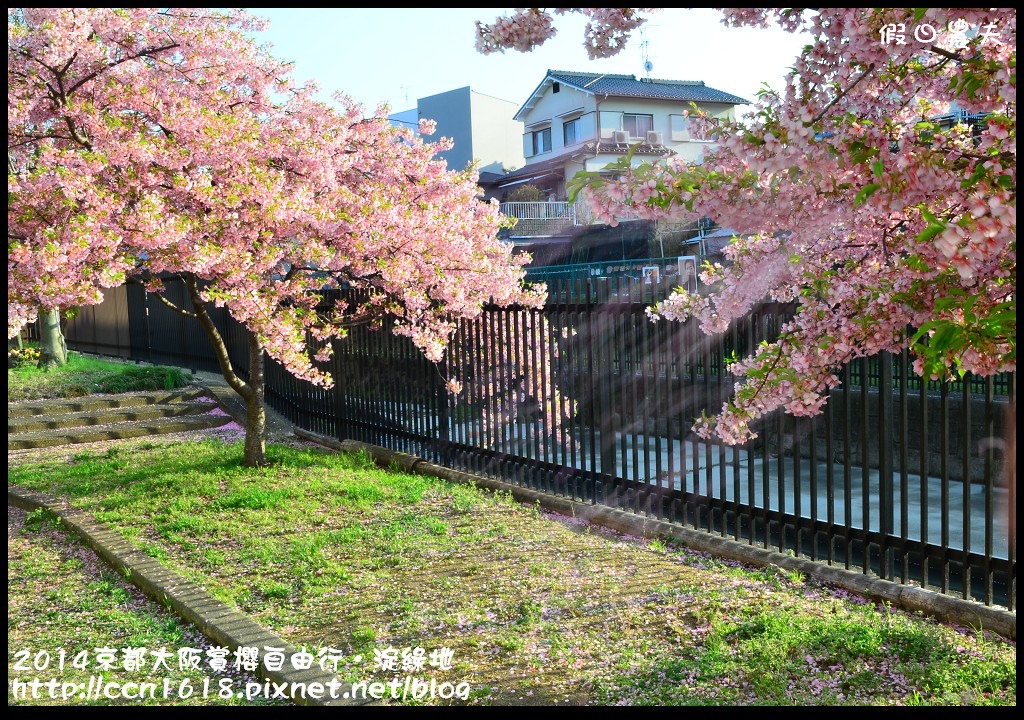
(610, 122)
(571, 132)
(679, 127)
(542, 141)
(637, 125)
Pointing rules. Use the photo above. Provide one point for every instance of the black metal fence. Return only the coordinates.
(589, 399)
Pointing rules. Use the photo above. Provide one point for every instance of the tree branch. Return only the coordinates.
(947, 54)
(219, 347)
(843, 93)
(140, 54)
(175, 308)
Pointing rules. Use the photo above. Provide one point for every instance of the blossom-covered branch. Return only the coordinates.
(145, 142)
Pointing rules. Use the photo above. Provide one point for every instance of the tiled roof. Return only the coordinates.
(536, 168)
(649, 88)
(558, 162)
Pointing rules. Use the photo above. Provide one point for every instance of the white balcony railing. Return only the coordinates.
(537, 219)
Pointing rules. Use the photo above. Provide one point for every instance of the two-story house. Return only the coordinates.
(577, 121)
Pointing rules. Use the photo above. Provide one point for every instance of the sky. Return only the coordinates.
(400, 55)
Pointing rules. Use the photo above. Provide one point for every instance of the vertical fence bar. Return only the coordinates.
(798, 481)
(780, 470)
(751, 340)
(990, 510)
(627, 461)
(847, 465)
(571, 403)
(405, 399)
(488, 365)
(885, 488)
(594, 384)
(374, 430)
(812, 442)
(523, 333)
(765, 330)
(944, 475)
(865, 461)
(662, 403)
(629, 350)
(830, 480)
(474, 417)
(503, 348)
(443, 398)
(676, 432)
(478, 393)
(704, 510)
(924, 464)
(719, 505)
(649, 368)
(384, 381)
(516, 383)
(904, 476)
(1011, 502)
(966, 436)
(457, 411)
(345, 370)
(542, 365)
(366, 388)
(604, 369)
(557, 393)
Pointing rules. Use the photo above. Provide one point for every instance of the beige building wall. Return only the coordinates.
(481, 127)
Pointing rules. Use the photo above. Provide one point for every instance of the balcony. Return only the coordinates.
(546, 219)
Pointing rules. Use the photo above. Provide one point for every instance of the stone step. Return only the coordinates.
(57, 406)
(116, 431)
(107, 416)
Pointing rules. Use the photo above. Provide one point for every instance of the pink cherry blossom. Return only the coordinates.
(848, 195)
(145, 141)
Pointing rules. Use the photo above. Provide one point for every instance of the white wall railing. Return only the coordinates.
(547, 218)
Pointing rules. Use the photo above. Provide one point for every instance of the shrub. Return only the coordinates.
(526, 193)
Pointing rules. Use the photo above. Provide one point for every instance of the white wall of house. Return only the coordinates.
(593, 117)
(548, 119)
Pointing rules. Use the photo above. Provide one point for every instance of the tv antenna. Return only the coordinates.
(644, 45)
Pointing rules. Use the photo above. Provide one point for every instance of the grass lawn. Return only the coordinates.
(332, 552)
(87, 375)
(62, 598)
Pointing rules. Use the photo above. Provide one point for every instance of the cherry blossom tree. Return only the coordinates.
(877, 188)
(148, 144)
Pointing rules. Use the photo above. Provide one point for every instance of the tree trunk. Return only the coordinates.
(13, 344)
(53, 351)
(255, 409)
(251, 392)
